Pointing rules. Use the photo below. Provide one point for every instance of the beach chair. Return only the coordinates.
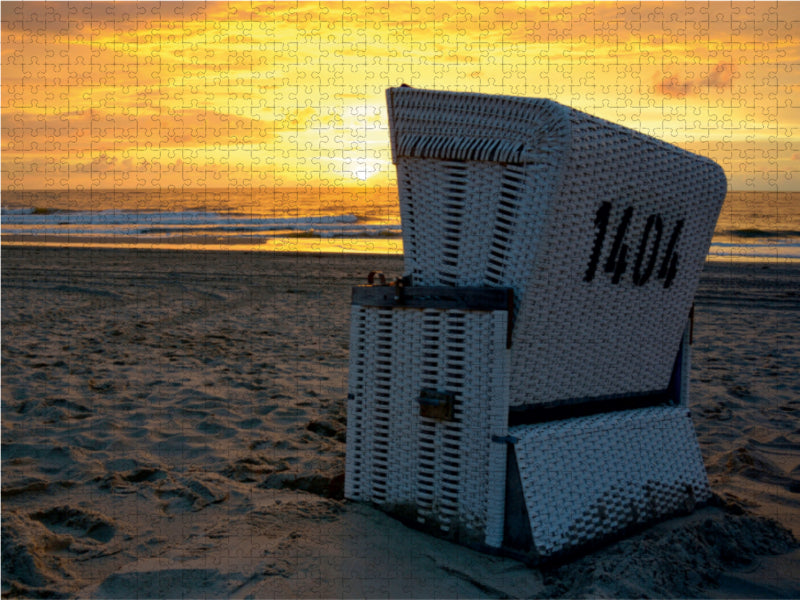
(524, 386)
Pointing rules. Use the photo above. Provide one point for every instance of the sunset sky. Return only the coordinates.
(243, 95)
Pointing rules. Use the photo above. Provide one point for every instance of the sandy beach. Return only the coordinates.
(173, 425)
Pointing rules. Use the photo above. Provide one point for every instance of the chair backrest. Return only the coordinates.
(601, 232)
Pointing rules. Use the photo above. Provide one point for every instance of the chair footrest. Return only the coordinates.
(578, 481)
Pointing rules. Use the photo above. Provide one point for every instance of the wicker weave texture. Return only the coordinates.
(601, 232)
(444, 474)
(587, 478)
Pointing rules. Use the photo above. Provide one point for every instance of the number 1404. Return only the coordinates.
(648, 259)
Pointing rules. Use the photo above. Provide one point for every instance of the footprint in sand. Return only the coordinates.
(151, 582)
(77, 523)
(190, 495)
(754, 466)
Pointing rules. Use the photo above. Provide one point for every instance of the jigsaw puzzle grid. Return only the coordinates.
(174, 409)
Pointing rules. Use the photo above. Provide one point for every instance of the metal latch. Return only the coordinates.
(436, 405)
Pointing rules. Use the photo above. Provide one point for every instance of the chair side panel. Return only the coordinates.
(444, 475)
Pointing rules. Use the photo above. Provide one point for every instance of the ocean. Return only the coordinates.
(753, 226)
(364, 220)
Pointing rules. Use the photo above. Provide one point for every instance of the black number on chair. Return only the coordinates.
(600, 222)
(616, 260)
(669, 266)
(645, 263)
(640, 278)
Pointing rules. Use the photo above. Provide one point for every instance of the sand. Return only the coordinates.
(173, 426)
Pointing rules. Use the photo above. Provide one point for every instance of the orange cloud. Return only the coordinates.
(719, 78)
(296, 90)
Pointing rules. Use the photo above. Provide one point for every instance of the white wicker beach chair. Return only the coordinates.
(600, 231)
(513, 423)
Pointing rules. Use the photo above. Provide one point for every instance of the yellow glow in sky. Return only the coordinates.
(124, 95)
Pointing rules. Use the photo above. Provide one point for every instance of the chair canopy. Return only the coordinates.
(601, 232)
